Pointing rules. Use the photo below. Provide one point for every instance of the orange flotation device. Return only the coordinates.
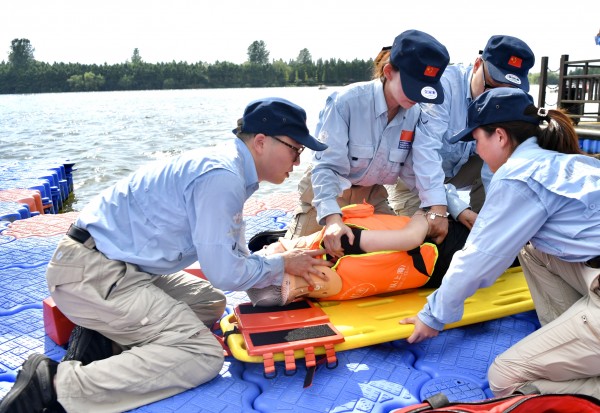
(383, 271)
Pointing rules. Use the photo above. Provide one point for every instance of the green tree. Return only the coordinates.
(125, 82)
(89, 81)
(135, 57)
(21, 53)
(258, 53)
(304, 57)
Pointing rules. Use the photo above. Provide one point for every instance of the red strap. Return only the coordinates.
(331, 357)
(309, 356)
(290, 361)
(269, 363)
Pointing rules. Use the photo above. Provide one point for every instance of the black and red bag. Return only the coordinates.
(521, 403)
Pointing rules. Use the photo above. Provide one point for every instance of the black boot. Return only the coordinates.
(33, 390)
(87, 345)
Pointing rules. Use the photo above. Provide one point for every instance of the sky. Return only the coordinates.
(107, 31)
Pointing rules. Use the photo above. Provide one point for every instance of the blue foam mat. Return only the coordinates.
(374, 379)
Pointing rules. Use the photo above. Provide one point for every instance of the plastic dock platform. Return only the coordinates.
(374, 379)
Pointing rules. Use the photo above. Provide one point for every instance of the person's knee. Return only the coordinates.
(501, 378)
(214, 364)
(209, 308)
(208, 354)
(220, 302)
(218, 307)
(303, 223)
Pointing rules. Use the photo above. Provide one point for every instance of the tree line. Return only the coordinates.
(22, 73)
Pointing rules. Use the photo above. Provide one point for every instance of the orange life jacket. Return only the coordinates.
(383, 271)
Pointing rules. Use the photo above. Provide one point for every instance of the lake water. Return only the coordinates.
(110, 134)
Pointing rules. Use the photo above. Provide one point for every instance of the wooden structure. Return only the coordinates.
(578, 92)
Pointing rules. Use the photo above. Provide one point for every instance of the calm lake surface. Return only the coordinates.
(110, 134)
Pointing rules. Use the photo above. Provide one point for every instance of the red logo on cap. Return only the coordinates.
(431, 71)
(515, 61)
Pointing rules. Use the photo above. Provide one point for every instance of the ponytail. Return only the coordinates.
(559, 135)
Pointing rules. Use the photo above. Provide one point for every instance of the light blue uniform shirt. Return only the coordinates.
(443, 121)
(364, 149)
(548, 198)
(170, 214)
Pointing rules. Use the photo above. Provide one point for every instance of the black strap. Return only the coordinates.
(78, 234)
(250, 309)
(594, 262)
(353, 249)
(438, 400)
(310, 374)
(527, 389)
(230, 332)
(418, 261)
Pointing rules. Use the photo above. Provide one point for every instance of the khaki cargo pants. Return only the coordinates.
(563, 356)
(161, 323)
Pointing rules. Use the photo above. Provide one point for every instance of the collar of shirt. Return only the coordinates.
(250, 174)
(379, 97)
(381, 108)
(467, 79)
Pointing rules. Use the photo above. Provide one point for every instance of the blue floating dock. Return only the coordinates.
(373, 379)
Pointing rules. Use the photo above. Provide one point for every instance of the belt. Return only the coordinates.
(78, 234)
(594, 262)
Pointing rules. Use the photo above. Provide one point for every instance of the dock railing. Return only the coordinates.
(578, 93)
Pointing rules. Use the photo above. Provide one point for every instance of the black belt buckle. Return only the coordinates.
(78, 234)
(594, 262)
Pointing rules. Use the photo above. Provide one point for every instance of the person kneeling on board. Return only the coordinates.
(118, 273)
(542, 204)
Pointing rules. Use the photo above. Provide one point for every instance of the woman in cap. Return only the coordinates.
(369, 127)
(544, 201)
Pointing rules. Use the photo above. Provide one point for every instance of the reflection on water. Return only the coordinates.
(110, 134)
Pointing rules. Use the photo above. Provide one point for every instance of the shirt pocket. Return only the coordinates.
(360, 156)
(397, 157)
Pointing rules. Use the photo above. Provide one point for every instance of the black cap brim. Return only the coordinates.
(310, 142)
(500, 76)
(464, 135)
(422, 92)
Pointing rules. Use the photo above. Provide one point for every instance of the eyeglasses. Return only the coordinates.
(297, 151)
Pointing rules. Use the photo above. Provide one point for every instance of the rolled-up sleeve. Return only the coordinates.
(215, 209)
(426, 154)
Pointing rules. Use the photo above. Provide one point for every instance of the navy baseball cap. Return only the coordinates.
(508, 60)
(421, 60)
(501, 104)
(277, 116)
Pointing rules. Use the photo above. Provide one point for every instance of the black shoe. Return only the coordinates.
(33, 390)
(87, 345)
